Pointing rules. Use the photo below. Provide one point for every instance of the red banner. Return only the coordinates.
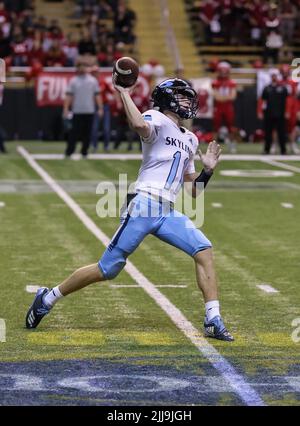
(50, 87)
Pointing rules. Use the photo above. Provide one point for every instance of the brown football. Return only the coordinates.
(126, 71)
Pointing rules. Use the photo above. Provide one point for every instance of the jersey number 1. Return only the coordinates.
(174, 169)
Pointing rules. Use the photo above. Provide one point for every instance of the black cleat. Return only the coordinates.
(215, 328)
(38, 309)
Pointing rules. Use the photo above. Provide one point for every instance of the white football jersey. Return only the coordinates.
(168, 154)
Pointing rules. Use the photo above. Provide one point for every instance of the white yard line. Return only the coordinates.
(124, 286)
(2, 331)
(171, 286)
(234, 379)
(225, 157)
(267, 288)
(32, 288)
(281, 165)
(217, 205)
(287, 205)
(2, 204)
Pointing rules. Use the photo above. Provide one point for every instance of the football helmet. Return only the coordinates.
(176, 95)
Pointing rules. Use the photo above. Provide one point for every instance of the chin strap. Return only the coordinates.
(203, 178)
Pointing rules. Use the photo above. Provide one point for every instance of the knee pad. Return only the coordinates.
(112, 262)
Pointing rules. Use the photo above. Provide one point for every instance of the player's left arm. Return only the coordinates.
(209, 161)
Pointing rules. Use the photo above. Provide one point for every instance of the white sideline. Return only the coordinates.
(272, 162)
(228, 157)
(235, 380)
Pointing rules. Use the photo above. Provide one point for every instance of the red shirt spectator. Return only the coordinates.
(110, 96)
(272, 21)
(36, 54)
(55, 56)
(4, 15)
(20, 52)
(258, 12)
(208, 11)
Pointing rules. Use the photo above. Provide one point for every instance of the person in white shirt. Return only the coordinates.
(168, 161)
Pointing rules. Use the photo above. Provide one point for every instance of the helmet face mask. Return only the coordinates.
(176, 95)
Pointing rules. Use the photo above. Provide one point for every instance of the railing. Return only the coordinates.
(170, 35)
(18, 74)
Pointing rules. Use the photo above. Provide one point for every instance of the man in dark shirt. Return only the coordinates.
(274, 98)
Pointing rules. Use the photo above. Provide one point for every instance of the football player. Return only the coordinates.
(168, 161)
(291, 106)
(224, 94)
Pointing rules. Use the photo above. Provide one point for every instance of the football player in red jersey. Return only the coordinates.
(291, 106)
(224, 93)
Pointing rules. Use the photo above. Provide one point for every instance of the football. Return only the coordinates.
(126, 71)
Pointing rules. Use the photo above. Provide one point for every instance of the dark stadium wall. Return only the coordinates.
(20, 117)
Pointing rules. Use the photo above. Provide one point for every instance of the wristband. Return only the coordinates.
(203, 178)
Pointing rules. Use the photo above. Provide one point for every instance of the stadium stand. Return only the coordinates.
(245, 32)
(31, 32)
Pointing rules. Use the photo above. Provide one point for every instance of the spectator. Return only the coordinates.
(82, 96)
(86, 46)
(272, 21)
(55, 57)
(53, 34)
(70, 50)
(19, 50)
(36, 53)
(19, 33)
(4, 15)
(104, 10)
(41, 24)
(273, 45)
(124, 22)
(209, 15)
(288, 13)
(107, 57)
